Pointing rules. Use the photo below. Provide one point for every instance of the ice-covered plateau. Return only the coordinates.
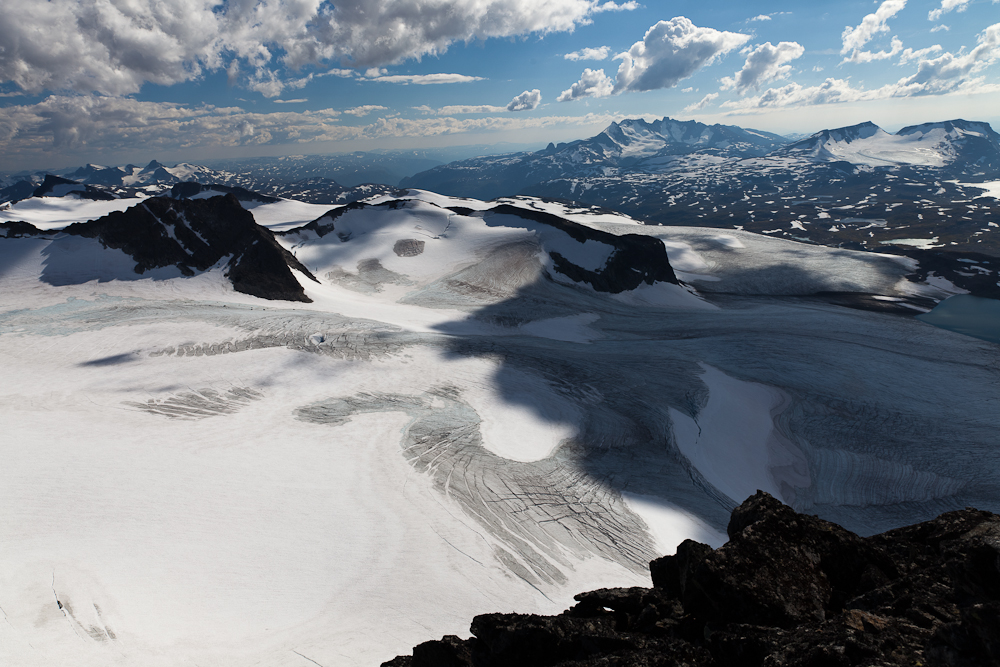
(473, 407)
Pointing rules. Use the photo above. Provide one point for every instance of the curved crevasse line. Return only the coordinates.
(542, 515)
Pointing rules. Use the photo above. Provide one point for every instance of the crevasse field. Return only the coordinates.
(193, 476)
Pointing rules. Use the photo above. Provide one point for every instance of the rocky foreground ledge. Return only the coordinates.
(787, 589)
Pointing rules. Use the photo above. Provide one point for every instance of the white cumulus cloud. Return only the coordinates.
(612, 6)
(420, 79)
(765, 63)
(948, 71)
(919, 54)
(670, 52)
(600, 53)
(109, 47)
(464, 109)
(941, 75)
(113, 47)
(947, 6)
(701, 104)
(895, 47)
(526, 101)
(87, 126)
(365, 109)
(592, 83)
(872, 24)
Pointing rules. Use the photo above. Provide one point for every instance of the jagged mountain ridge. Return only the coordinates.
(636, 138)
(193, 235)
(955, 144)
(199, 226)
(156, 178)
(628, 144)
(857, 187)
(313, 190)
(635, 147)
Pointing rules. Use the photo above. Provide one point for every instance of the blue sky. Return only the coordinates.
(112, 81)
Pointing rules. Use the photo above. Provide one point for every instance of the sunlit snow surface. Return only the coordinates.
(194, 476)
(57, 212)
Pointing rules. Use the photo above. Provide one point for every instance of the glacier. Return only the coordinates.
(450, 426)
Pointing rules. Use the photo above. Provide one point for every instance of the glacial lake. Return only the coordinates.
(970, 315)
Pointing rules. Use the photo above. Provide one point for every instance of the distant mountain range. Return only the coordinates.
(182, 180)
(912, 193)
(153, 173)
(970, 147)
(857, 187)
(330, 179)
(632, 145)
(635, 147)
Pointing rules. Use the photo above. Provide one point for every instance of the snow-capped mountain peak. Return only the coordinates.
(930, 144)
(637, 138)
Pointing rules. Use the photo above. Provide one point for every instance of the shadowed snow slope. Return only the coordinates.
(476, 406)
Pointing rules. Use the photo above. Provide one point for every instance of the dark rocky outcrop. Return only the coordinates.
(189, 189)
(51, 182)
(16, 192)
(637, 259)
(17, 229)
(787, 589)
(196, 234)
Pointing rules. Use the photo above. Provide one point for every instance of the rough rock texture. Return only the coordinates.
(17, 229)
(84, 191)
(636, 259)
(787, 589)
(194, 235)
(190, 189)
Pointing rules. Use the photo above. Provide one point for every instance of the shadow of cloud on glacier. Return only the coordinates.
(644, 361)
(112, 360)
(620, 384)
(74, 260)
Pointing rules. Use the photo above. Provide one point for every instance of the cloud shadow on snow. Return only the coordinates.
(74, 260)
(851, 376)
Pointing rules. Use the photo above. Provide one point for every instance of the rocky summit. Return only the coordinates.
(786, 589)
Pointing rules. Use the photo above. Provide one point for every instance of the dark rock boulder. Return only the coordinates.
(810, 572)
(787, 589)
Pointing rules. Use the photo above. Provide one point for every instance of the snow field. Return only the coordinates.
(733, 442)
(243, 536)
(47, 213)
(203, 477)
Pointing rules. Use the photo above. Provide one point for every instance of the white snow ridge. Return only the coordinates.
(476, 407)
